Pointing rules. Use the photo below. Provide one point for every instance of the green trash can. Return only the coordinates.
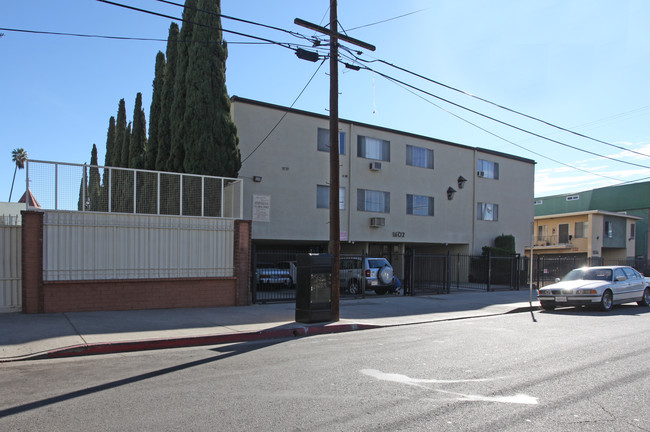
(314, 288)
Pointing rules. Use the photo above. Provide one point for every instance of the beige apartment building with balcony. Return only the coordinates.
(398, 191)
(589, 234)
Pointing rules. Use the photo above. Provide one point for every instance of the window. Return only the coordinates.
(324, 141)
(373, 201)
(487, 212)
(573, 198)
(373, 148)
(581, 229)
(419, 205)
(323, 197)
(419, 157)
(539, 202)
(541, 233)
(609, 229)
(632, 231)
(487, 169)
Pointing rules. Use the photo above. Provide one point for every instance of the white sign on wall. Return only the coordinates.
(262, 208)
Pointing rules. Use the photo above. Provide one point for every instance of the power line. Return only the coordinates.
(501, 121)
(504, 107)
(386, 20)
(51, 33)
(285, 113)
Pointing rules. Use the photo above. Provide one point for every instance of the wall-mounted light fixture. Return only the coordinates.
(450, 193)
(257, 179)
(461, 182)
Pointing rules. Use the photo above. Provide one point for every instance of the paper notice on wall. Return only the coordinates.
(261, 208)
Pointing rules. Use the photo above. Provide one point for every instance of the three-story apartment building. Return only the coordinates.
(397, 190)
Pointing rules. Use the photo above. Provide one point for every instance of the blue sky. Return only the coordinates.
(582, 65)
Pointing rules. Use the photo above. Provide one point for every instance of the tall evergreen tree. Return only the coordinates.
(120, 134)
(110, 142)
(178, 127)
(138, 141)
(125, 146)
(155, 112)
(164, 128)
(210, 136)
(94, 182)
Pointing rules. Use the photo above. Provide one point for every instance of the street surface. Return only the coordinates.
(570, 369)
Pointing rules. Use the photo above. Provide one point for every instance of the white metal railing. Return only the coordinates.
(94, 188)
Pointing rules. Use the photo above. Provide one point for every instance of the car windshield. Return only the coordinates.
(589, 274)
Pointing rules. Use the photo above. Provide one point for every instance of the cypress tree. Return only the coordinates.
(164, 128)
(120, 133)
(125, 146)
(138, 139)
(210, 136)
(94, 187)
(155, 113)
(110, 142)
(81, 206)
(177, 117)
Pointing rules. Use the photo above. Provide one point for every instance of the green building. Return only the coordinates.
(631, 199)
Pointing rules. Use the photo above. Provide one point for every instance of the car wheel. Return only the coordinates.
(547, 306)
(380, 291)
(354, 287)
(645, 301)
(385, 275)
(606, 301)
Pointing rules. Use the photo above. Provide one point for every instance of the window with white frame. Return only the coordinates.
(487, 169)
(373, 148)
(419, 205)
(323, 197)
(487, 211)
(609, 229)
(632, 231)
(324, 141)
(419, 157)
(373, 201)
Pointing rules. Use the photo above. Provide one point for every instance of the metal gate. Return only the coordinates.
(10, 265)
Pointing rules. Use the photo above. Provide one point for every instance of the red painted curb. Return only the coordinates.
(154, 344)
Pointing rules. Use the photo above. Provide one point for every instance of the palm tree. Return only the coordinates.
(19, 156)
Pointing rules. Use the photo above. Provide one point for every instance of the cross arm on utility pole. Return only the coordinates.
(334, 33)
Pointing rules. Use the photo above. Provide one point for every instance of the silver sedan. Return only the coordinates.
(597, 286)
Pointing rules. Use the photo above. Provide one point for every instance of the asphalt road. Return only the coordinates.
(568, 370)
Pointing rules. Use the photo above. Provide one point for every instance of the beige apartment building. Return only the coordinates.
(398, 190)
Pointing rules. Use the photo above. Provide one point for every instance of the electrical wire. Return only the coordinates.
(292, 33)
(386, 20)
(107, 36)
(285, 113)
(501, 121)
(504, 107)
(282, 44)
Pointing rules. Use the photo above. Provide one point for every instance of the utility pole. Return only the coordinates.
(335, 220)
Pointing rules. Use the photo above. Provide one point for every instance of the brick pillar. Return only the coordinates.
(242, 261)
(32, 257)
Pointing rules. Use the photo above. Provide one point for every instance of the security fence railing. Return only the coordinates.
(93, 188)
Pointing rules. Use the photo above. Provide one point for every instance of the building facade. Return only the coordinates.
(398, 191)
(594, 235)
(631, 199)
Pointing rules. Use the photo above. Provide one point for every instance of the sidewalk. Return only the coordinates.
(36, 336)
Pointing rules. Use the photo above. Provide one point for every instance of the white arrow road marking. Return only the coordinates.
(403, 379)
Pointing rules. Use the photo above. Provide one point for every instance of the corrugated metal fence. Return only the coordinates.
(96, 246)
(10, 265)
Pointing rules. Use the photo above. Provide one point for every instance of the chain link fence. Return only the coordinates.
(92, 188)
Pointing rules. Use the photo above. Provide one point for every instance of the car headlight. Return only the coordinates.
(586, 291)
(544, 292)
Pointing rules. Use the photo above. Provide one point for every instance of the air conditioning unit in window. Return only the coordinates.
(377, 222)
(480, 173)
(375, 166)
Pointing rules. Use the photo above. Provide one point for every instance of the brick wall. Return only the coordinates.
(129, 294)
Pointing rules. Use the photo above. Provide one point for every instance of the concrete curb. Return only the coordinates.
(193, 341)
(185, 342)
